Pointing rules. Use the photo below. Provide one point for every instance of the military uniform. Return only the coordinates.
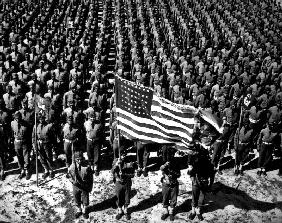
(242, 145)
(82, 180)
(94, 138)
(21, 133)
(142, 158)
(72, 139)
(3, 150)
(122, 174)
(44, 141)
(11, 101)
(202, 172)
(170, 186)
(266, 143)
(114, 140)
(70, 95)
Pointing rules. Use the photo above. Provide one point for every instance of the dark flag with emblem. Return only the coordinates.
(144, 116)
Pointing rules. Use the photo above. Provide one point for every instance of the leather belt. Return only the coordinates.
(92, 139)
(70, 141)
(19, 140)
(42, 141)
(227, 123)
(267, 143)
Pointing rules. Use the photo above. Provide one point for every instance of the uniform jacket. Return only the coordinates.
(81, 177)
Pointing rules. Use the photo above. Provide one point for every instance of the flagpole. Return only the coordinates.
(239, 126)
(118, 131)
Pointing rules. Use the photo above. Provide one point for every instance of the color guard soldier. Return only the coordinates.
(122, 173)
(82, 180)
(170, 185)
(45, 138)
(21, 134)
(201, 171)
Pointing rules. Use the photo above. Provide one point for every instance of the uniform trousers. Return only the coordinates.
(122, 190)
(2, 160)
(68, 151)
(93, 148)
(23, 154)
(218, 152)
(170, 193)
(242, 152)
(46, 155)
(198, 194)
(265, 155)
(142, 155)
(80, 196)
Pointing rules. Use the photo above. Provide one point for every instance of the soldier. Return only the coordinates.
(98, 99)
(45, 138)
(201, 171)
(69, 110)
(48, 111)
(21, 134)
(122, 173)
(170, 185)
(230, 122)
(94, 137)
(71, 94)
(28, 118)
(242, 145)
(166, 151)
(72, 138)
(10, 100)
(3, 150)
(82, 180)
(265, 146)
(142, 158)
(114, 137)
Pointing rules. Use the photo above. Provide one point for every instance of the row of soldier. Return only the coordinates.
(219, 70)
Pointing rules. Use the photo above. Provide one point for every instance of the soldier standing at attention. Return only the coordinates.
(72, 138)
(3, 150)
(94, 137)
(265, 146)
(201, 171)
(142, 158)
(242, 144)
(122, 173)
(45, 138)
(170, 185)
(20, 132)
(82, 180)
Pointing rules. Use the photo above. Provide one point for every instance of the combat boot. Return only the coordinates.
(192, 215)
(165, 215)
(199, 214)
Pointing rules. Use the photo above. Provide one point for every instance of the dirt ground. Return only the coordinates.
(247, 198)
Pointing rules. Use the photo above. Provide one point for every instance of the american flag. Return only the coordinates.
(144, 116)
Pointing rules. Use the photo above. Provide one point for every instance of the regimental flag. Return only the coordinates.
(144, 116)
